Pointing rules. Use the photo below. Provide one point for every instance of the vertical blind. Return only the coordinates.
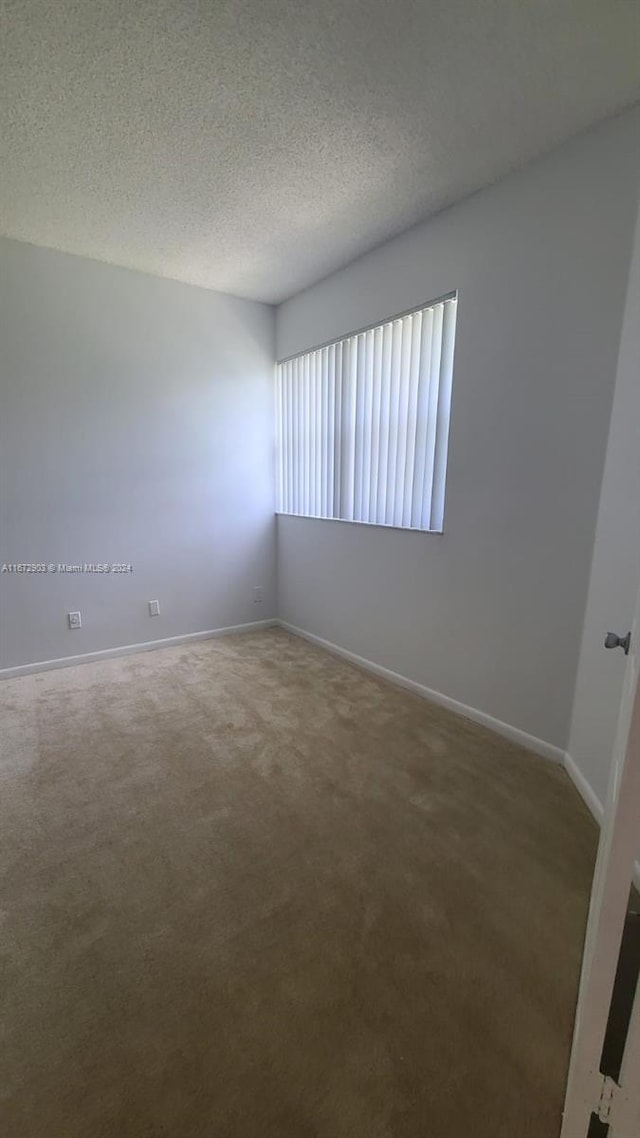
(363, 423)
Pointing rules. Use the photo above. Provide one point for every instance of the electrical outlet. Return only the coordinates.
(154, 608)
(75, 619)
(257, 595)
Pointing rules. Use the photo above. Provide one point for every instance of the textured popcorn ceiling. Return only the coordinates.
(256, 145)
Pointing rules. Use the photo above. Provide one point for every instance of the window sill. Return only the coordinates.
(355, 522)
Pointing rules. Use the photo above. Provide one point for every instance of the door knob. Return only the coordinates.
(611, 640)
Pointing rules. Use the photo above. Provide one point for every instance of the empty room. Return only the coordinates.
(319, 569)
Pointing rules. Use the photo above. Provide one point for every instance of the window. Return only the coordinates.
(363, 423)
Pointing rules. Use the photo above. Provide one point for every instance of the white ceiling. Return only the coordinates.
(254, 146)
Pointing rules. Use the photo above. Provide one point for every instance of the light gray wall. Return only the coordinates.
(615, 570)
(136, 425)
(490, 613)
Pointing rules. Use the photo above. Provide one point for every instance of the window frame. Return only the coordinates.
(442, 438)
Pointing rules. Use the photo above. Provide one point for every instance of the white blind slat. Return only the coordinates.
(376, 397)
(318, 421)
(281, 456)
(314, 441)
(331, 411)
(403, 418)
(432, 415)
(290, 434)
(324, 433)
(295, 428)
(311, 472)
(358, 457)
(281, 443)
(412, 418)
(300, 462)
(394, 412)
(337, 481)
(444, 416)
(367, 414)
(385, 416)
(304, 380)
(421, 418)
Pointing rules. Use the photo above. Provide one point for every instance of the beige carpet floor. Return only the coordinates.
(249, 891)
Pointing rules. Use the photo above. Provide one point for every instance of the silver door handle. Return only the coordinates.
(611, 640)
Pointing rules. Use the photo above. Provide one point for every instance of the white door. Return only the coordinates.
(587, 1090)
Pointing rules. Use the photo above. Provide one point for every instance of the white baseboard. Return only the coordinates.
(531, 742)
(130, 649)
(584, 788)
(594, 804)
